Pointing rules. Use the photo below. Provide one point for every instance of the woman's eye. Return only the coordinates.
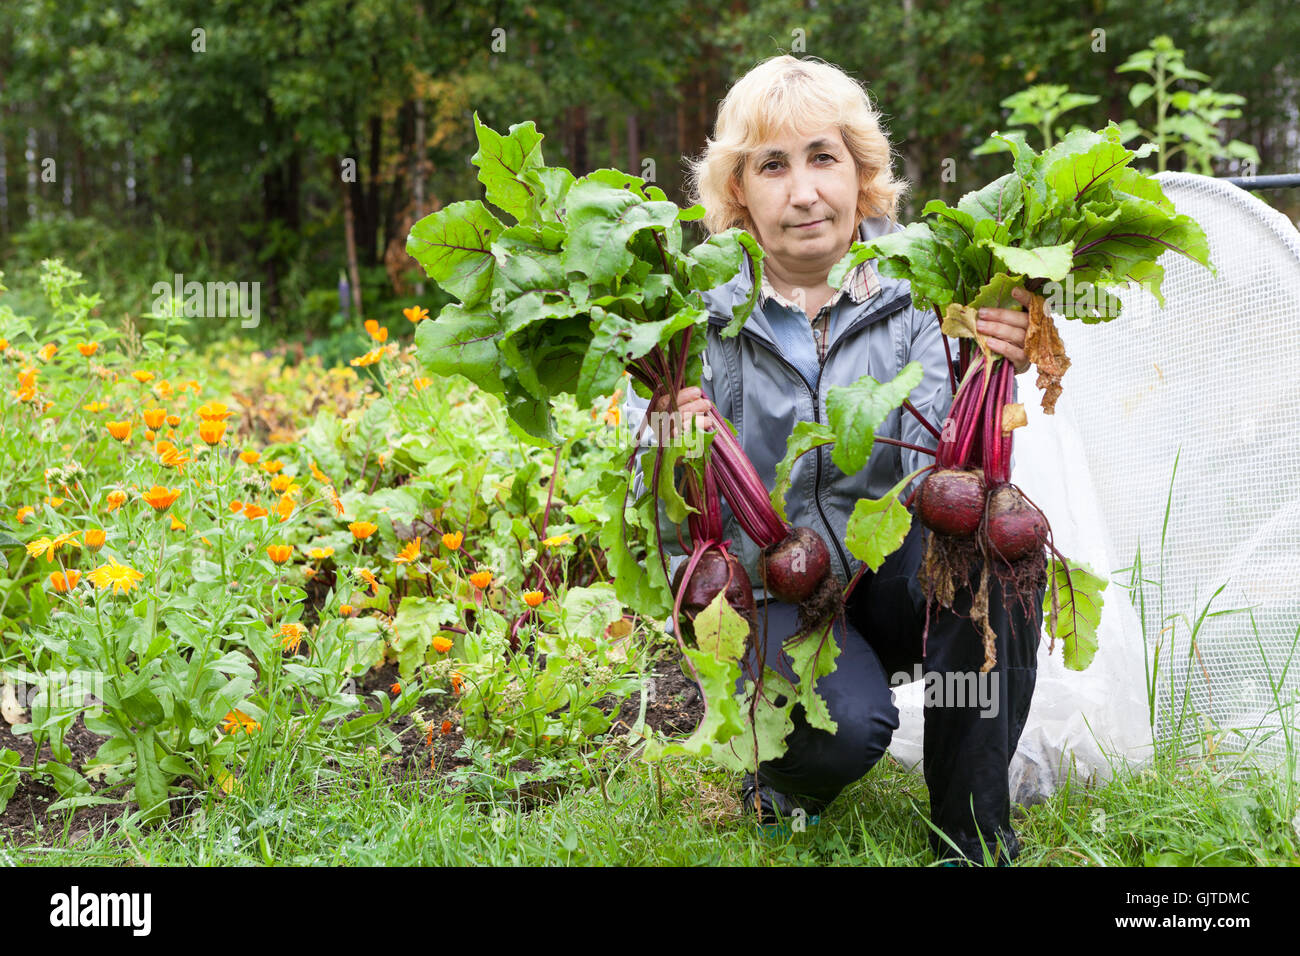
(770, 164)
(825, 156)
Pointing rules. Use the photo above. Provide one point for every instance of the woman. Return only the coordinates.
(799, 159)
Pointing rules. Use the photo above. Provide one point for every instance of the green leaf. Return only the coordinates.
(616, 342)
(719, 630)
(999, 201)
(503, 163)
(856, 411)
(9, 761)
(877, 528)
(462, 342)
(601, 219)
(150, 783)
(454, 245)
(586, 612)
(813, 656)
(805, 437)
(417, 623)
(1080, 606)
(1043, 262)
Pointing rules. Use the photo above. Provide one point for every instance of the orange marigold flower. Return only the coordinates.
(212, 431)
(415, 313)
(362, 529)
(173, 457)
(214, 412)
(141, 376)
(422, 383)
(88, 348)
(163, 390)
(446, 727)
(237, 720)
(119, 430)
(252, 511)
(154, 417)
(4, 345)
(249, 457)
(453, 540)
(150, 434)
(160, 498)
(279, 553)
(481, 579)
(46, 352)
(23, 512)
(284, 508)
(291, 636)
(442, 644)
(346, 610)
(281, 483)
(317, 473)
(63, 581)
(408, 553)
(457, 681)
(115, 500)
(177, 524)
(395, 689)
(534, 598)
(375, 331)
(173, 421)
(369, 577)
(236, 505)
(335, 500)
(272, 466)
(95, 538)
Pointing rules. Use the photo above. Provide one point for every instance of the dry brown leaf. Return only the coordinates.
(1013, 417)
(10, 709)
(1045, 349)
(959, 322)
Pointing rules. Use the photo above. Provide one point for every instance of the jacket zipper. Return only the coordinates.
(816, 403)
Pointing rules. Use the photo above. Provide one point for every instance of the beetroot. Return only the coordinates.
(1016, 529)
(717, 569)
(951, 502)
(796, 565)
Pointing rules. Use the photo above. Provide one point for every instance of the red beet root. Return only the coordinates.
(951, 502)
(1016, 528)
(710, 577)
(796, 565)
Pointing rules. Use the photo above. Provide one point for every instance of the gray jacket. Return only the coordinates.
(763, 396)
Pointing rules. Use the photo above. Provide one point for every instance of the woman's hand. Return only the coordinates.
(1006, 330)
(691, 403)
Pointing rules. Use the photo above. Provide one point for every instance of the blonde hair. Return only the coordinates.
(784, 95)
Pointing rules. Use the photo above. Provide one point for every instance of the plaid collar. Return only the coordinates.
(860, 284)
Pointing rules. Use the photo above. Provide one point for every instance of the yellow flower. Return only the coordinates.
(291, 636)
(95, 538)
(53, 501)
(284, 507)
(4, 345)
(453, 540)
(214, 412)
(320, 554)
(369, 577)
(415, 313)
(249, 457)
(281, 483)
(88, 348)
(317, 473)
(370, 358)
(177, 524)
(252, 511)
(141, 376)
(163, 389)
(119, 430)
(442, 644)
(279, 553)
(481, 579)
(408, 553)
(154, 417)
(120, 576)
(335, 500)
(362, 529)
(115, 500)
(376, 332)
(173, 457)
(272, 466)
(46, 352)
(534, 598)
(422, 383)
(160, 498)
(95, 407)
(51, 545)
(555, 540)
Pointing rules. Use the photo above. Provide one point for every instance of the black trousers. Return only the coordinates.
(972, 721)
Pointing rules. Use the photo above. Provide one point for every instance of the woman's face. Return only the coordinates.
(801, 192)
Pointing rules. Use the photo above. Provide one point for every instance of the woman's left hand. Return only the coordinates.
(1005, 330)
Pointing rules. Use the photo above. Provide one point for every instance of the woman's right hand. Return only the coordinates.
(691, 404)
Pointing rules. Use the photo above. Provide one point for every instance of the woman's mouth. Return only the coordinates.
(809, 225)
